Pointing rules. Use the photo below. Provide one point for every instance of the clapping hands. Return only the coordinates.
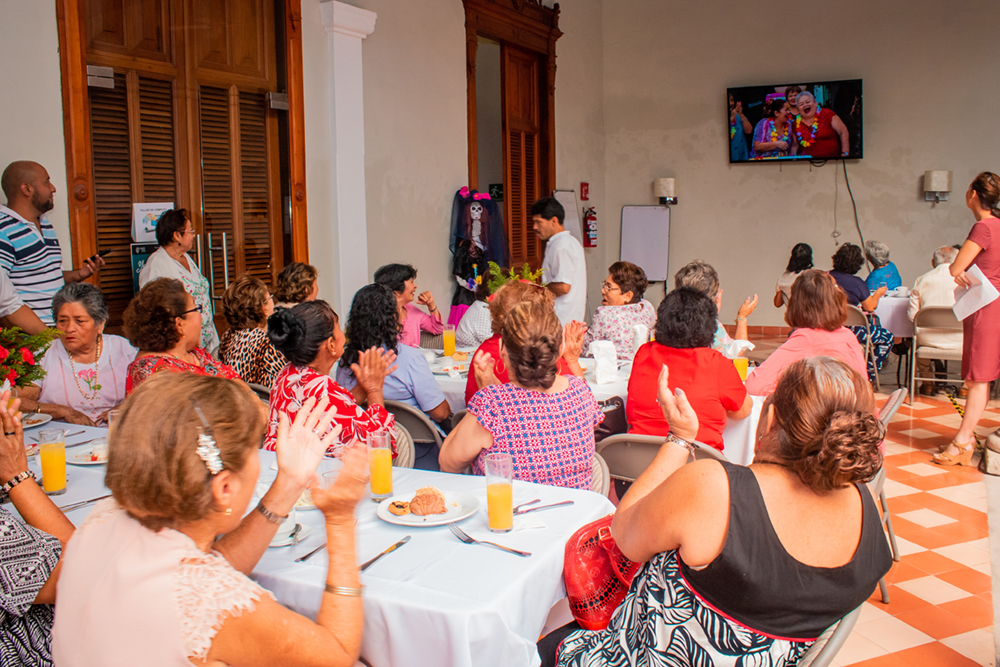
(372, 368)
(676, 408)
(302, 444)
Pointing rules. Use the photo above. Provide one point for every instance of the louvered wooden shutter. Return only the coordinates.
(217, 183)
(156, 129)
(253, 173)
(522, 134)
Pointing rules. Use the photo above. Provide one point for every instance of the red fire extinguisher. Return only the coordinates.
(590, 227)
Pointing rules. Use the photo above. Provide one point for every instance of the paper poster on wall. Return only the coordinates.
(140, 253)
(144, 217)
(572, 222)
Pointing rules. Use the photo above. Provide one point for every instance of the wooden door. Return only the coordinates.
(522, 130)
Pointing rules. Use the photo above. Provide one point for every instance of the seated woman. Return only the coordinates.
(622, 307)
(816, 314)
(552, 439)
(165, 324)
(374, 323)
(884, 272)
(754, 561)
(847, 261)
(476, 324)
(402, 279)
(701, 276)
(685, 323)
(30, 547)
(148, 581)
(309, 336)
(800, 260)
(85, 370)
(245, 347)
(297, 283)
(503, 301)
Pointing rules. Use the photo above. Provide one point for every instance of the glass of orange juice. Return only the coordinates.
(52, 451)
(380, 464)
(448, 336)
(500, 491)
(741, 363)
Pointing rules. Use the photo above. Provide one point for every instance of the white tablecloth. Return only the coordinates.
(740, 435)
(891, 311)
(436, 601)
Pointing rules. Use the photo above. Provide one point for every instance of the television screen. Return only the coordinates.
(796, 121)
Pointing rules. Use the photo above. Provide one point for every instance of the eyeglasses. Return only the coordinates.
(199, 309)
(609, 287)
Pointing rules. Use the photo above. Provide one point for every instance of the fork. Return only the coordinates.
(462, 535)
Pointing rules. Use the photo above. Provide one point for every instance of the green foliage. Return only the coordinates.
(498, 276)
(20, 354)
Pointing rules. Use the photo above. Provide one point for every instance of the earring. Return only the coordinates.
(229, 511)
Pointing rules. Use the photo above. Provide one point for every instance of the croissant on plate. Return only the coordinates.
(428, 500)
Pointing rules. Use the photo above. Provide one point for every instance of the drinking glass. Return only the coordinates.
(742, 363)
(500, 491)
(113, 417)
(52, 451)
(380, 464)
(448, 336)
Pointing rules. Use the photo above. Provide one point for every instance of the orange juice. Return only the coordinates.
(380, 467)
(448, 336)
(742, 363)
(500, 504)
(53, 456)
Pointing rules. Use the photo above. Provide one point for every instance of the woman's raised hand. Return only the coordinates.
(677, 409)
(337, 501)
(13, 457)
(484, 368)
(301, 445)
(573, 334)
(749, 305)
(372, 368)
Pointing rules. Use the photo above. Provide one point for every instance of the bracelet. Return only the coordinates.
(18, 478)
(680, 442)
(741, 319)
(343, 590)
(269, 515)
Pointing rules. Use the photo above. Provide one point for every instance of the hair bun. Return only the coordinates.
(847, 452)
(285, 330)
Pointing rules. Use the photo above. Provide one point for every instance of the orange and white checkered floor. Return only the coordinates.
(941, 606)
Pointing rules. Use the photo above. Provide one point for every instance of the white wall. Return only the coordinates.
(489, 114)
(31, 111)
(929, 73)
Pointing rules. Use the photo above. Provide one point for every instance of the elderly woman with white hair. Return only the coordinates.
(883, 271)
(819, 132)
(85, 370)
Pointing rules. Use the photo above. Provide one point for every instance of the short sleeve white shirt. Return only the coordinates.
(564, 263)
(9, 300)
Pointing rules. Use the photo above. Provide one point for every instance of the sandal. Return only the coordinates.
(963, 458)
(959, 446)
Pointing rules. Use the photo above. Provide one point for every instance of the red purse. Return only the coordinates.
(597, 574)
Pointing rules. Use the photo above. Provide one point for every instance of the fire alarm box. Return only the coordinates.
(590, 228)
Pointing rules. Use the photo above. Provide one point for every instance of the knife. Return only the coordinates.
(395, 546)
(543, 507)
(82, 503)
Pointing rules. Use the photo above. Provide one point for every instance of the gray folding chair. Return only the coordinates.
(419, 426)
(822, 653)
(857, 318)
(627, 455)
(430, 341)
(457, 417)
(932, 319)
(601, 480)
(263, 393)
(405, 453)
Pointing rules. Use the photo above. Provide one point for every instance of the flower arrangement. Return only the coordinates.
(20, 354)
(498, 276)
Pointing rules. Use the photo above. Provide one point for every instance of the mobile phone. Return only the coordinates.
(100, 253)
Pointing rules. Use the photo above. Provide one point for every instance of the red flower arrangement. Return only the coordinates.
(20, 354)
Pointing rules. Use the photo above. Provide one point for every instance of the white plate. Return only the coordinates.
(287, 540)
(34, 419)
(460, 505)
(83, 458)
(440, 369)
(304, 502)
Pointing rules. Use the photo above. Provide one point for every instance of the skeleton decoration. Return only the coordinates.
(477, 237)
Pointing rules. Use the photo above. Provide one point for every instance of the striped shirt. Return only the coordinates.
(33, 261)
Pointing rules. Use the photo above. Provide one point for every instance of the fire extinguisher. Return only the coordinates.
(590, 227)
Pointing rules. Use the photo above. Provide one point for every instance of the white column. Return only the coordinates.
(346, 26)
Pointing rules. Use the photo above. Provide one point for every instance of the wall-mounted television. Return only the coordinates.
(796, 121)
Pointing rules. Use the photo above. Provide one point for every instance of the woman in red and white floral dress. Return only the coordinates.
(310, 337)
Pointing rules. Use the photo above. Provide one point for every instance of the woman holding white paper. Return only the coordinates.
(981, 342)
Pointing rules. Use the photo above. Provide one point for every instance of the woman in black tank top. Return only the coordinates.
(757, 560)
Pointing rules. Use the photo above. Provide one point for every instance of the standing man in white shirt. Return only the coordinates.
(564, 264)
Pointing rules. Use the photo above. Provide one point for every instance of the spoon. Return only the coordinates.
(530, 502)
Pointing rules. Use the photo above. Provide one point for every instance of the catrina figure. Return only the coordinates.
(477, 237)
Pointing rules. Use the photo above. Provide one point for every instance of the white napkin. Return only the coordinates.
(640, 336)
(605, 361)
(736, 348)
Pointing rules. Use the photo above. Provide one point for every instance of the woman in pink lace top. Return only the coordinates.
(145, 581)
(622, 307)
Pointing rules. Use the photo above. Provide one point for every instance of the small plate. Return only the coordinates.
(441, 368)
(287, 540)
(304, 502)
(460, 505)
(34, 419)
(83, 458)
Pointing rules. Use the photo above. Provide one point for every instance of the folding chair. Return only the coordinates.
(822, 653)
(263, 393)
(601, 480)
(627, 455)
(941, 320)
(419, 426)
(857, 318)
(877, 485)
(405, 453)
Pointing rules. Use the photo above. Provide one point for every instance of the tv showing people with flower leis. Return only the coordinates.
(796, 121)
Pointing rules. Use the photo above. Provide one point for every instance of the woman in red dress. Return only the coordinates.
(981, 339)
(819, 132)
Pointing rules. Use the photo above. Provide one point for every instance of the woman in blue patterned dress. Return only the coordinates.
(747, 565)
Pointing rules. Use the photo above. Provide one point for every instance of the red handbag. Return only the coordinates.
(597, 574)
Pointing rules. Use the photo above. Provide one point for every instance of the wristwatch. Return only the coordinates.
(680, 442)
(269, 515)
(18, 478)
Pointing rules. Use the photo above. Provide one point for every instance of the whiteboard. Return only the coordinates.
(572, 222)
(646, 239)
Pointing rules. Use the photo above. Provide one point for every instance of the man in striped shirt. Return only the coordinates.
(29, 249)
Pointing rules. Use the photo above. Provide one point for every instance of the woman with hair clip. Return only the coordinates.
(374, 323)
(309, 336)
(147, 579)
(800, 260)
(981, 330)
(552, 440)
(748, 561)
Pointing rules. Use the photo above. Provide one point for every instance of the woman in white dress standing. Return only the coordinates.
(175, 234)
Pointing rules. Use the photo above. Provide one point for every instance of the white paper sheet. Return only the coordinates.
(981, 294)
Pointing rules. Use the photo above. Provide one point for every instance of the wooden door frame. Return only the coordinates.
(529, 25)
(76, 128)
